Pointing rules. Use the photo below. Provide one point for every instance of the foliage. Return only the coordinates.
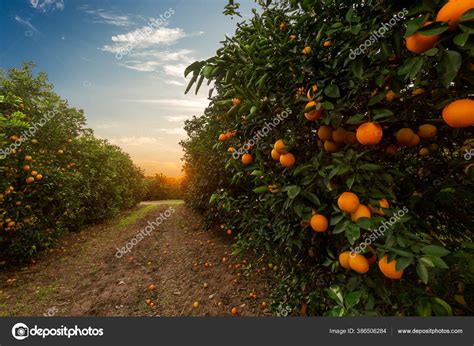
(161, 187)
(263, 65)
(77, 178)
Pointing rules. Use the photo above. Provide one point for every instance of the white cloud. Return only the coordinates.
(47, 5)
(26, 23)
(176, 103)
(175, 70)
(101, 16)
(173, 131)
(177, 118)
(174, 82)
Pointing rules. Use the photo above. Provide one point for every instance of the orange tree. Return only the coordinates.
(55, 175)
(362, 194)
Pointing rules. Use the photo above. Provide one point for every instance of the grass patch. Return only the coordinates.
(134, 216)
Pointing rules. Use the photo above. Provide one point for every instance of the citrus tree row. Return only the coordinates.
(55, 176)
(363, 195)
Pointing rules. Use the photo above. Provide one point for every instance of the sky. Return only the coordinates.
(122, 62)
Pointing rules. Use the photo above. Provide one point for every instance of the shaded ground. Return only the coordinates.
(82, 276)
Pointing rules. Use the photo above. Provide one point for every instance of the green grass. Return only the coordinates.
(164, 202)
(135, 215)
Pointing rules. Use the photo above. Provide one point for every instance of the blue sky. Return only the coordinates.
(135, 100)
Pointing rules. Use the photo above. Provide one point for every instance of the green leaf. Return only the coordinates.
(461, 39)
(336, 219)
(467, 16)
(403, 262)
(352, 233)
(327, 105)
(260, 189)
(436, 251)
(369, 167)
(332, 90)
(355, 119)
(340, 227)
(335, 293)
(301, 169)
(422, 272)
(448, 67)
(352, 299)
(311, 197)
(293, 191)
(445, 305)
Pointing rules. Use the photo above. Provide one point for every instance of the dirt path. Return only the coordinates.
(82, 275)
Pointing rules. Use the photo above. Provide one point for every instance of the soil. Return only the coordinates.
(82, 276)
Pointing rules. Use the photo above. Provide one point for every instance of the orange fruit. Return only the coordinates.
(148, 301)
(350, 138)
(319, 223)
(307, 50)
(195, 305)
(391, 95)
(452, 11)
(314, 114)
(327, 43)
(292, 37)
(383, 203)
(60, 152)
(325, 133)
(28, 158)
(418, 91)
(231, 150)
(344, 259)
(234, 312)
(419, 43)
(229, 231)
(405, 136)
(388, 268)
(205, 285)
(280, 146)
(247, 159)
(369, 133)
(459, 113)
(362, 211)
(34, 141)
(358, 263)
(424, 152)
(152, 287)
(391, 149)
(29, 180)
(330, 146)
(236, 101)
(414, 141)
(223, 137)
(426, 131)
(275, 155)
(34, 173)
(348, 202)
(26, 168)
(339, 135)
(287, 160)
(311, 92)
(39, 177)
(283, 26)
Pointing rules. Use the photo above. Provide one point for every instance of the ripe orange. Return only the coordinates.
(358, 263)
(369, 133)
(350, 138)
(152, 287)
(283, 26)
(426, 131)
(319, 223)
(325, 133)
(327, 43)
(362, 211)
(231, 150)
(414, 141)
(34, 173)
(60, 152)
(459, 113)
(344, 259)
(205, 285)
(148, 301)
(314, 114)
(348, 202)
(229, 231)
(222, 137)
(383, 203)
(287, 160)
(26, 168)
(330, 146)
(307, 50)
(34, 141)
(388, 269)
(339, 135)
(391, 95)
(452, 11)
(424, 152)
(405, 136)
(39, 177)
(418, 91)
(29, 180)
(236, 101)
(419, 43)
(280, 146)
(247, 159)
(292, 37)
(275, 155)
(28, 158)
(195, 305)
(234, 312)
